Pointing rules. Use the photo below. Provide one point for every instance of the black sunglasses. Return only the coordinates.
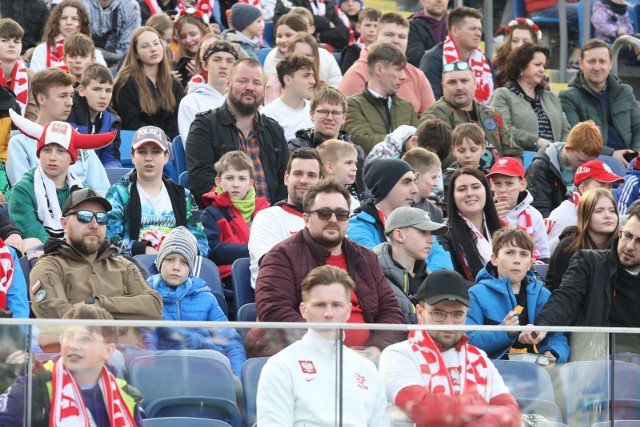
(325, 214)
(455, 66)
(86, 216)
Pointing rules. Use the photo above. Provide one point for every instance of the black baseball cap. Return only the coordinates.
(85, 195)
(444, 285)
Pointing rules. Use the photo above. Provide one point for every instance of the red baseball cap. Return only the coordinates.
(598, 170)
(507, 166)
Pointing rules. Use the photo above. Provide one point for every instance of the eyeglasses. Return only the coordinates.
(326, 113)
(86, 216)
(156, 42)
(441, 315)
(455, 66)
(82, 339)
(626, 237)
(325, 214)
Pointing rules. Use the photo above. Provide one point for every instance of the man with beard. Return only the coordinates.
(322, 241)
(237, 125)
(84, 269)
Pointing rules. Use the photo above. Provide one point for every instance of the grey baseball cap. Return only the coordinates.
(406, 216)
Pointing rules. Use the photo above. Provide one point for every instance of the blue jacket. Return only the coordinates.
(628, 192)
(193, 300)
(368, 231)
(492, 299)
(17, 300)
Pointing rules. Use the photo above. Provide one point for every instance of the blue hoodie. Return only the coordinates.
(491, 301)
(628, 192)
(193, 300)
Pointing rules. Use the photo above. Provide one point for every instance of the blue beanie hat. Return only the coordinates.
(243, 15)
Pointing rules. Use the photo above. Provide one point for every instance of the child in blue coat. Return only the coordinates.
(507, 292)
(186, 297)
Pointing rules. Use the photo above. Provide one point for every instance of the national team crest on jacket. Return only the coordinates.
(307, 367)
(361, 380)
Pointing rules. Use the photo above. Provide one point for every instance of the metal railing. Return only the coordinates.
(620, 42)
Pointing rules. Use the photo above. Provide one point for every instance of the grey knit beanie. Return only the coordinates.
(243, 15)
(381, 175)
(179, 240)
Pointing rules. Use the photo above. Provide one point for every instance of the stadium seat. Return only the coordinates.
(542, 270)
(185, 385)
(179, 156)
(247, 313)
(614, 164)
(170, 168)
(250, 377)
(619, 423)
(262, 56)
(204, 269)
(528, 157)
(184, 422)
(243, 293)
(582, 37)
(184, 179)
(267, 36)
(114, 174)
(126, 138)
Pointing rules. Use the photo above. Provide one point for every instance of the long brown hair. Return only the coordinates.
(190, 19)
(586, 206)
(132, 69)
(504, 50)
(52, 27)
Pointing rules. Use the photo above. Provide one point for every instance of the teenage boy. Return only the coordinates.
(367, 28)
(426, 166)
(53, 92)
(36, 200)
(217, 60)
(593, 174)
(513, 203)
(296, 73)
(246, 23)
(14, 75)
(550, 174)
(410, 232)
(340, 162)
(231, 207)
(147, 205)
(508, 293)
(79, 53)
(91, 113)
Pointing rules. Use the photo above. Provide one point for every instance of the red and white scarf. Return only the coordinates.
(6, 273)
(473, 365)
(153, 6)
(482, 243)
(479, 64)
(525, 223)
(19, 84)
(55, 54)
(347, 22)
(67, 407)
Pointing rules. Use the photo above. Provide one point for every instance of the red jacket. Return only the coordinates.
(278, 294)
(226, 230)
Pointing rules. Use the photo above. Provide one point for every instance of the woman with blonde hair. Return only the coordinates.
(598, 224)
(145, 92)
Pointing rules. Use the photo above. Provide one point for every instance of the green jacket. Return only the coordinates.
(23, 208)
(518, 114)
(497, 134)
(368, 122)
(580, 103)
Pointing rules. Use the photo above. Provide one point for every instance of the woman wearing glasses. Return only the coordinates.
(597, 228)
(145, 93)
(533, 113)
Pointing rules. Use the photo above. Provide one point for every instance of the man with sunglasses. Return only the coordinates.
(84, 269)
(322, 241)
(436, 377)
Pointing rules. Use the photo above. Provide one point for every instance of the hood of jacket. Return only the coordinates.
(193, 285)
(202, 89)
(524, 200)
(488, 276)
(234, 36)
(552, 152)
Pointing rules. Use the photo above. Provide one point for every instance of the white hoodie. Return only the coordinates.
(539, 229)
(201, 98)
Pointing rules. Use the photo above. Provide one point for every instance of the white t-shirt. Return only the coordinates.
(290, 119)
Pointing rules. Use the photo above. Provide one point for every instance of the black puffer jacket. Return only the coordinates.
(421, 39)
(544, 180)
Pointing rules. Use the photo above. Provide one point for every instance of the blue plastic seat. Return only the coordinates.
(179, 155)
(542, 270)
(184, 179)
(262, 56)
(267, 37)
(243, 293)
(528, 158)
(247, 313)
(250, 376)
(614, 164)
(114, 174)
(184, 422)
(126, 138)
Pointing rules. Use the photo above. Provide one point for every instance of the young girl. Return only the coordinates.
(145, 93)
(67, 17)
(190, 31)
(327, 67)
(472, 221)
(163, 24)
(285, 30)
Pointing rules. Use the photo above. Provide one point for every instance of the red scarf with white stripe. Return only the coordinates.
(479, 64)
(153, 6)
(67, 407)
(55, 54)
(19, 84)
(525, 223)
(473, 366)
(347, 22)
(6, 273)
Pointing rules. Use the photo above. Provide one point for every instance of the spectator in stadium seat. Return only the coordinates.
(322, 241)
(378, 110)
(78, 54)
(517, 33)
(340, 162)
(32, 17)
(464, 25)
(237, 125)
(423, 374)
(595, 94)
(427, 28)
(533, 113)
(148, 9)
(392, 28)
(13, 293)
(551, 172)
(367, 27)
(273, 225)
(427, 167)
(596, 228)
(112, 25)
(145, 92)
(191, 28)
(289, 389)
(247, 25)
(285, 30)
(629, 192)
(593, 174)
